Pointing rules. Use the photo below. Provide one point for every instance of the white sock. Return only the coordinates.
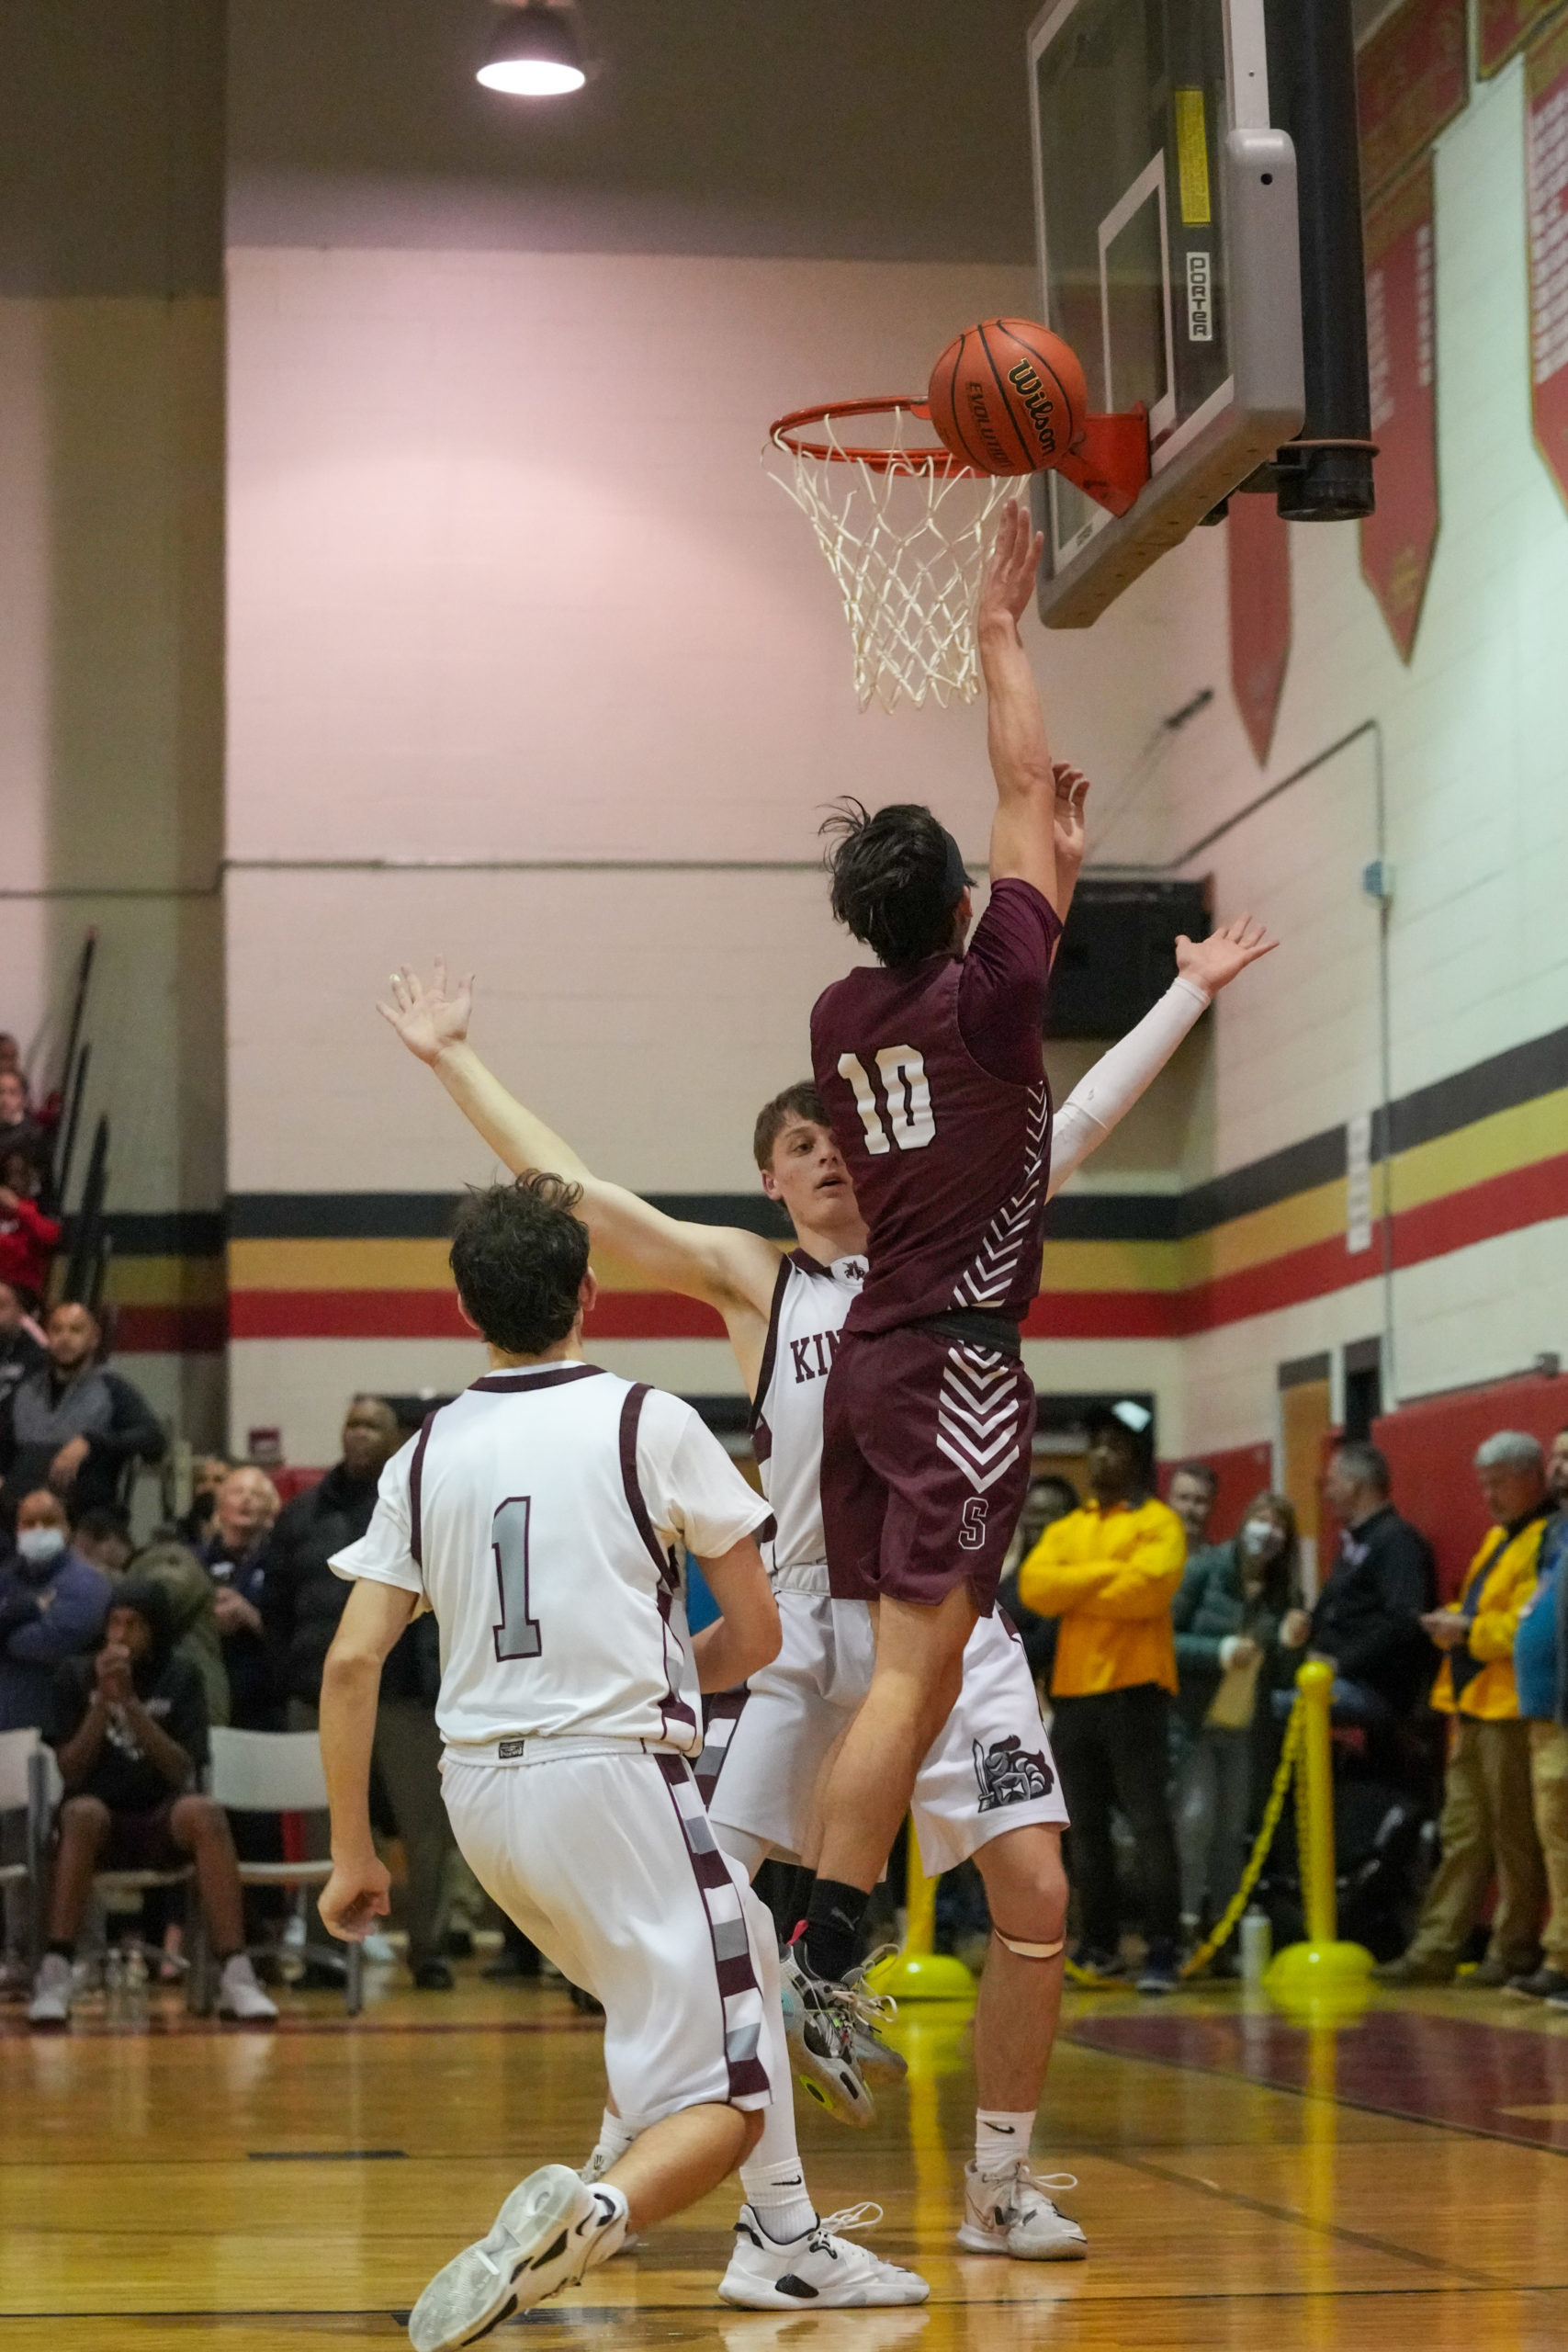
(614, 2140)
(608, 2241)
(1000, 2137)
(776, 2194)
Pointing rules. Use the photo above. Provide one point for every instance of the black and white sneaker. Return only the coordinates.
(551, 2229)
(822, 2020)
(818, 2271)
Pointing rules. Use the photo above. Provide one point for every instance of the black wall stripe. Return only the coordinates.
(1522, 1074)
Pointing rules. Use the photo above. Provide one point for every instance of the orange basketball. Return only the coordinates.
(1010, 396)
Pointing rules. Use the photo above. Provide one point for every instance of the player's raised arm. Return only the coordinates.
(724, 1265)
(1105, 1093)
(1038, 830)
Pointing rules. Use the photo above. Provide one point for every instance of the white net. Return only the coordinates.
(906, 541)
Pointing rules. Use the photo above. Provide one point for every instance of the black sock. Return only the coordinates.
(833, 1920)
(63, 1945)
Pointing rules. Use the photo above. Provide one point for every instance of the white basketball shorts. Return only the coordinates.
(607, 1862)
(990, 1770)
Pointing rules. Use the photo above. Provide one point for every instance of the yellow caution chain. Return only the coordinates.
(1289, 1754)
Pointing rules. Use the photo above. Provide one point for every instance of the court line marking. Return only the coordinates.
(598, 2314)
(1302, 2221)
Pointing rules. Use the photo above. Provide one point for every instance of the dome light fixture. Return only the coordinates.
(535, 54)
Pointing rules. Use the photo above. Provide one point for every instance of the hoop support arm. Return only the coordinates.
(1110, 459)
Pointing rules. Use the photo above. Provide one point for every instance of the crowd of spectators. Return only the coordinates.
(1169, 1664)
(124, 1656)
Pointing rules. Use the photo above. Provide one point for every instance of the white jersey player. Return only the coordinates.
(987, 1788)
(541, 1515)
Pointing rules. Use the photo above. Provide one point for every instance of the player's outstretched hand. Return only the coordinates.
(1072, 791)
(1215, 962)
(1007, 582)
(428, 1018)
(355, 1899)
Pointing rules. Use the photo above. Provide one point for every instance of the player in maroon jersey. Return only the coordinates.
(931, 1066)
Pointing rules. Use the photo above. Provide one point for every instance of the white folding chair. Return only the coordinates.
(23, 1795)
(281, 1771)
(111, 1889)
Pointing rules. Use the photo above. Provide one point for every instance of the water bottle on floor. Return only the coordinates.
(1257, 1946)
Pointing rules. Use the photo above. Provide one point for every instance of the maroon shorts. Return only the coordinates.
(925, 1466)
(142, 1841)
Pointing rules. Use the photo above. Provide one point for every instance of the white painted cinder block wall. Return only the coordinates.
(507, 582)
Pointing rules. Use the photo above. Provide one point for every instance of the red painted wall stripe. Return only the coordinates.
(1524, 1196)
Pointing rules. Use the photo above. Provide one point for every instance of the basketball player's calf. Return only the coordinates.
(1006, 2208)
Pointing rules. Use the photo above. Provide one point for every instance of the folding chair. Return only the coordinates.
(196, 1959)
(281, 1771)
(23, 1794)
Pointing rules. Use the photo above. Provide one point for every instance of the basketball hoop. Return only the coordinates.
(902, 523)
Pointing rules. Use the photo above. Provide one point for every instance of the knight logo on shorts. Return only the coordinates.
(1009, 1774)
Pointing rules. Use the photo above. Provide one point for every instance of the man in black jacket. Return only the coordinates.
(1367, 1617)
(301, 1602)
(72, 1426)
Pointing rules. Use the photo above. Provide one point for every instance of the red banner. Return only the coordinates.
(1505, 26)
(1398, 540)
(1412, 78)
(1546, 164)
(1258, 550)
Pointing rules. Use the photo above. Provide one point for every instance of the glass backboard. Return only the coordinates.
(1150, 193)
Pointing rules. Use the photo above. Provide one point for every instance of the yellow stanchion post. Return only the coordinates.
(919, 1971)
(1321, 1974)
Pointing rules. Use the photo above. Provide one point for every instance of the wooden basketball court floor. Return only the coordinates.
(1244, 2183)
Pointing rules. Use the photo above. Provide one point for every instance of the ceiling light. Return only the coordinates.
(535, 54)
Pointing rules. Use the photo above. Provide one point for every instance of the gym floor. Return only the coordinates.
(1403, 2183)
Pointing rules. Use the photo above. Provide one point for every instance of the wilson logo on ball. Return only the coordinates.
(1037, 401)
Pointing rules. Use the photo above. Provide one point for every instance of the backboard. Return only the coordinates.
(1166, 207)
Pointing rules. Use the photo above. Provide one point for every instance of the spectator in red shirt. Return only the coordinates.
(29, 1239)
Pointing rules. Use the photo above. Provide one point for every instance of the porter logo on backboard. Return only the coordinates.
(1038, 401)
(1200, 295)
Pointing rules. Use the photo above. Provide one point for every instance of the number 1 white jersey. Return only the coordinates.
(541, 1515)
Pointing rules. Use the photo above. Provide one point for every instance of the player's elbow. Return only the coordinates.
(351, 1663)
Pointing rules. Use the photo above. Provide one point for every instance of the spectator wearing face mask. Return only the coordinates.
(52, 1605)
(1227, 1618)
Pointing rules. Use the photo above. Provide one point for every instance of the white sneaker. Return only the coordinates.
(51, 2004)
(819, 2271)
(821, 2020)
(1008, 2212)
(238, 1994)
(551, 2229)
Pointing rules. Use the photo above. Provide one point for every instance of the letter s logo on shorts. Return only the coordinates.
(972, 1532)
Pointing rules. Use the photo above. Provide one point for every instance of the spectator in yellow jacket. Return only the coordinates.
(1110, 1572)
(1488, 1823)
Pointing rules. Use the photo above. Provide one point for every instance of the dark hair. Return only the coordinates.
(894, 877)
(801, 1102)
(1282, 1576)
(101, 1519)
(1140, 1444)
(518, 1258)
(1368, 1465)
(1204, 1471)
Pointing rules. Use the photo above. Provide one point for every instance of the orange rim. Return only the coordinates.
(787, 433)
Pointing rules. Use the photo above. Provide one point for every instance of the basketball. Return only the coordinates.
(1009, 396)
